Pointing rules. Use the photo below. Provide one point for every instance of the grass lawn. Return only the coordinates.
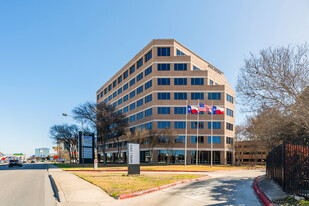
(292, 201)
(116, 184)
(71, 166)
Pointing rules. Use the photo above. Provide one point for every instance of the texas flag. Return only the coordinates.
(217, 110)
(204, 108)
(192, 109)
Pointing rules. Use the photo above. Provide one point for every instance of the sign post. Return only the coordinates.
(133, 159)
(86, 147)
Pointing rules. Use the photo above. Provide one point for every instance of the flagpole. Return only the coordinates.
(211, 137)
(198, 117)
(186, 133)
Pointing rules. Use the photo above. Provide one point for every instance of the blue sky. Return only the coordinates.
(54, 55)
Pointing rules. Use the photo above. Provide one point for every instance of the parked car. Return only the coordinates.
(32, 161)
(13, 163)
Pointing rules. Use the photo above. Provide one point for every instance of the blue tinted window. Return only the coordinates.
(132, 69)
(229, 98)
(164, 67)
(164, 110)
(120, 111)
(119, 79)
(132, 82)
(180, 96)
(164, 96)
(211, 82)
(229, 112)
(114, 104)
(132, 106)
(109, 97)
(148, 125)
(119, 101)
(114, 84)
(125, 75)
(98, 97)
(140, 63)
(179, 125)
(194, 125)
(180, 139)
(195, 68)
(139, 102)
(164, 124)
(148, 70)
(125, 87)
(180, 67)
(179, 53)
(125, 109)
(132, 118)
(125, 98)
(165, 51)
(215, 125)
(132, 94)
(139, 90)
(215, 140)
(179, 110)
(180, 81)
(109, 87)
(119, 91)
(148, 56)
(148, 98)
(139, 77)
(148, 84)
(114, 94)
(214, 96)
(139, 115)
(148, 112)
(197, 96)
(164, 81)
(197, 81)
(105, 90)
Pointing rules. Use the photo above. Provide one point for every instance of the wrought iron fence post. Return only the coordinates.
(283, 164)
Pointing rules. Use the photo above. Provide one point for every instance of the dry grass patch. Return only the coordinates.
(115, 184)
(158, 167)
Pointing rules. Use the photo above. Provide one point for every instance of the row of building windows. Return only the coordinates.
(180, 81)
(131, 70)
(131, 94)
(132, 106)
(194, 96)
(178, 139)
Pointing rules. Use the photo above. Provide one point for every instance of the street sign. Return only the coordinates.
(57, 148)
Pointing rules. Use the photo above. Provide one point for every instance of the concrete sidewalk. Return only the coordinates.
(73, 190)
(271, 189)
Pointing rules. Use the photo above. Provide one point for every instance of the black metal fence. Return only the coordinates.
(288, 165)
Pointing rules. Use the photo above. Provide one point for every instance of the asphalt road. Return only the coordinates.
(27, 185)
(224, 188)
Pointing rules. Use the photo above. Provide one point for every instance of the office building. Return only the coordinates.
(152, 90)
(41, 152)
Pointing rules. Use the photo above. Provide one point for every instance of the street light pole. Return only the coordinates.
(82, 155)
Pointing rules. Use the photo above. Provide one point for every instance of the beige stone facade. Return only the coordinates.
(183, 64)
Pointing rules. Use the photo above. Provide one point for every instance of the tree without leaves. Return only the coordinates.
(108, 123)
(168, 142)
(276, 78)
(68, 134)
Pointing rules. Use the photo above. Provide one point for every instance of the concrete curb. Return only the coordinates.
(157, 170)
(266, 201)
(56, 187)
(135, 194)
